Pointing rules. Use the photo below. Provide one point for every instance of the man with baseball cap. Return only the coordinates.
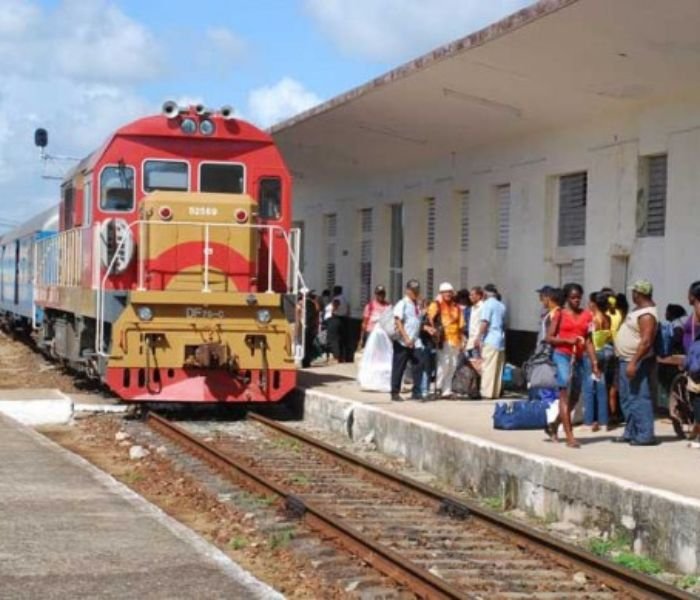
(446, 324)
(407, 345)
(634, 345)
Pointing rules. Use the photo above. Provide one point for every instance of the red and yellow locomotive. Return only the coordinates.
(174, 273)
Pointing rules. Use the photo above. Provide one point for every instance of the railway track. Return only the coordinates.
(433, 544)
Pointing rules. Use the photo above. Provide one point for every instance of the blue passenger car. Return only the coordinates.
(17, 251)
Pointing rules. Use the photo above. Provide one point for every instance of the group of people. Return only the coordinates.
(607, 351)
(328, 327)
(600, 348)
(438, 336)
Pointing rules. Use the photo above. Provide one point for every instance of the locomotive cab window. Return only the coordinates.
(117, 189)
(221, 178)
(270, 198)
(166, 175)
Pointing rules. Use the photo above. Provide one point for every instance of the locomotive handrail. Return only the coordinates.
(291, 240)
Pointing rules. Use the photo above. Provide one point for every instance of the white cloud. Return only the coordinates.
(268, 105)
(72, 69)
(392, 30)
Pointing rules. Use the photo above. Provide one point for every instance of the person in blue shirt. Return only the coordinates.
(491, 342)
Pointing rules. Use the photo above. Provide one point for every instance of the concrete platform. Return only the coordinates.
(36, 406)
(653, 492)
(68, 530)
(53, 407)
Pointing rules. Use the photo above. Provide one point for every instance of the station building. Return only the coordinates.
(559, 144)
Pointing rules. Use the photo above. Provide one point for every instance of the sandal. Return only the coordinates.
(573, 444)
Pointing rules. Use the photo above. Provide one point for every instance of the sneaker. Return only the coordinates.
(396, 398)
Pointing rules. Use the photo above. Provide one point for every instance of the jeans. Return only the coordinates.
(595, 393)
(636, 402)
(569, 374)
(402, 356)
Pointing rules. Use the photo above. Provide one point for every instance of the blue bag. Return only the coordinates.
(663, 342)
(520, 414)
(692, 361)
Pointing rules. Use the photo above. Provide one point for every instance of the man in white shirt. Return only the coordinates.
(408, 345)
(476, 296)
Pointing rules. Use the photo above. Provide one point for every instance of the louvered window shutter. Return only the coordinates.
(573, 192)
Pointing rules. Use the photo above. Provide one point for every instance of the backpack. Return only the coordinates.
(663, 342)
(388, 324)
(692, 359)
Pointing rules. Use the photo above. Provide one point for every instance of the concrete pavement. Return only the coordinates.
(68, 530)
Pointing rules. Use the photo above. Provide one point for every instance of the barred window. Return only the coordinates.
(503, 197)
(430, 223)
(365, 255)
(330, 227)
(464, 221)
(572, 272)
(573, 196)
(651, 196)
(429, 283)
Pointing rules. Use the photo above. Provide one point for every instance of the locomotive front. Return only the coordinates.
(184, 267)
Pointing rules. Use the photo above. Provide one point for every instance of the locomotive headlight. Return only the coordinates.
(206, 127)
(144, 313)
(188, 126)
(263, 316)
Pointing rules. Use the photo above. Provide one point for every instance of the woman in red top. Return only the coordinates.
(567, 336)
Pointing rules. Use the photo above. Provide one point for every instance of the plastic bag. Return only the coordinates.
(374, 373)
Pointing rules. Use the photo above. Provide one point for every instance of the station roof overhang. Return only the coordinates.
(554, 63)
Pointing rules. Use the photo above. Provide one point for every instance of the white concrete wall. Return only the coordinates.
(608, 149)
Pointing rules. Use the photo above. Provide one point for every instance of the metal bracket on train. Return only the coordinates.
(454, 509)
(207, 356)
(256, 342)
(294, 506)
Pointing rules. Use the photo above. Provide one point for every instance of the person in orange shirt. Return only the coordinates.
(446, 324)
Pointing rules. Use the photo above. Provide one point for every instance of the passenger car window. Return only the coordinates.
(221, 178)
(165, 175)
(270, 198)
(117, 189)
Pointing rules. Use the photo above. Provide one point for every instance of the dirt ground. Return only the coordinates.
(21, 366)
(184, 499)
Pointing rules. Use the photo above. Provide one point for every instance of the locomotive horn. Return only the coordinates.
(227, 112)
(201, 110)
(171, 109)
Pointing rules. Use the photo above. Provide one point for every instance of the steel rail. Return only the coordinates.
(615, 576)
(420, 581)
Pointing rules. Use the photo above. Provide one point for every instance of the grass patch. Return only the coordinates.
(688, 581)
(617, 549)
(132, 477)
(237, 543)
(633, 561)
(494, 503)
(282, 538)
(299, 479)
(287, 443)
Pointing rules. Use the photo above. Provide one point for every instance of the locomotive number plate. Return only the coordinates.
(203, 211)
(197, 312)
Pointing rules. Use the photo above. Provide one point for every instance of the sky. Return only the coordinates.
(82, 68)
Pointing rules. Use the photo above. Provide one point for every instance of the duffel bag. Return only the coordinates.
(520, 414)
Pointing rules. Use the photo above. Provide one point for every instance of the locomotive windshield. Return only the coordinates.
(165, 175)
(117, 189)
(221, 178)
